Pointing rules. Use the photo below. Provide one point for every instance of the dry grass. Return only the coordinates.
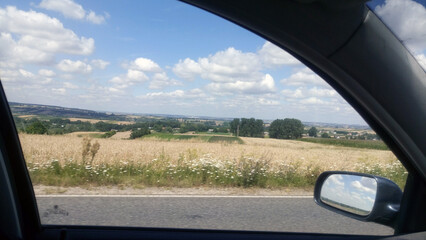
(26, 116)
(44, 148)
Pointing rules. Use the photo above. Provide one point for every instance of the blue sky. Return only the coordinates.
(167, 57)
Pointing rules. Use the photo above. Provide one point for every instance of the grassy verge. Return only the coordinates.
(394, 171)
(188, 172)
(191, 171)
(369, 144)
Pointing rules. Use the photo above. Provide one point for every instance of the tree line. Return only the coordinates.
(287, 128)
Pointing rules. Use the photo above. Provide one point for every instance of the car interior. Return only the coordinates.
(346, 44)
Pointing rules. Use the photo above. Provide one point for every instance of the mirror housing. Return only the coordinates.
(385, 207)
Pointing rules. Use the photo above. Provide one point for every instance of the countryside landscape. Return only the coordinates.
(67, 147)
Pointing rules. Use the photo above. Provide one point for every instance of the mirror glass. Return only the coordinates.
(351, 193)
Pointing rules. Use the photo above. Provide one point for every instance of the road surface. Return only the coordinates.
(291, 214)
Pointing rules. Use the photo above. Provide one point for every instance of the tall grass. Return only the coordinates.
(190, 171)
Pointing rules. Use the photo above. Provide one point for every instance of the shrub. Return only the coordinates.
(139, 133)
(108, 134)
(36, 127)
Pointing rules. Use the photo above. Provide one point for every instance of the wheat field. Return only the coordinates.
(44, 148)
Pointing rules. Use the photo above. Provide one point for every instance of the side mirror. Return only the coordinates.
(361, 196)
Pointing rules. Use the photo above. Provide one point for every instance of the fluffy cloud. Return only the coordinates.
(230, 71)
(95, 18)
(421, 58)
(22, 76)
(266, 85)
(229, 66)
(131, 78)
(176, 98)
(70, 66)
(145, 64)
(29, 36)
(187, 69)
(73, 10)
(137, 71)
(99, 63)
(273, 56)
(70, 85)
(46, 73)
(161, 80)
(407, 19)
(303, 78)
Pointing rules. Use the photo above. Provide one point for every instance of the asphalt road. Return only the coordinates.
(233, 213)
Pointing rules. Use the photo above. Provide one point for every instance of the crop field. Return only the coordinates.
(194, 160)
(369, 144)
(195, 137)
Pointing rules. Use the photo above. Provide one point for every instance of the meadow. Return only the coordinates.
(166, 160)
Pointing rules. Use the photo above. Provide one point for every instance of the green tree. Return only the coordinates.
(325, 135)
(288, 128)
(234, 126)
(36, 127)
(313, 132)
(139, 133)
(247, 127)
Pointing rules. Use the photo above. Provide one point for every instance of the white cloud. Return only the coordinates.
(131, 78)
(224, 66)
(266, 102)
(73, 10)
(175, 98)
(99, 63)
(59, 91)
(303, 78)
(136, 76)
(26, 74)
(407, 19)
(15, 53)
(137, 71)
(273, 56)
(95, 18)
(322, 92)
(421, 58)
(161, 80)
(313, 101)
(187, 69)
(316, 92)
(70, 85)
(335, 179)
(21, 76)
(46, 73)
(29, 36)
(68, 8)
(145, 64)
(266, 85)
(70, 66)
(297, 93)
(371, 188)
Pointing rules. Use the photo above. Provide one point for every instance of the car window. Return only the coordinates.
(157, 114)
(406, 19)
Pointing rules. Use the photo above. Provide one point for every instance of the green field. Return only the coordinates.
(368, 144)
(203, 138)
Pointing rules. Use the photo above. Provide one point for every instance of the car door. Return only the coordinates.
(368, 79)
